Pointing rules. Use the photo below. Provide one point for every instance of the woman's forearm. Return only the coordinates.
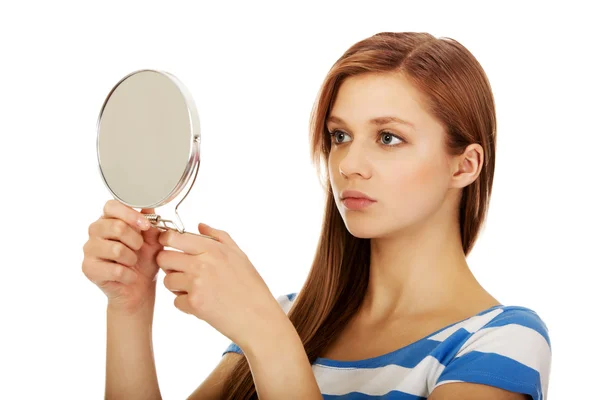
(280, 367)
(130, 367)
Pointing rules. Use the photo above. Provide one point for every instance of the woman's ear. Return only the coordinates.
(467, 166)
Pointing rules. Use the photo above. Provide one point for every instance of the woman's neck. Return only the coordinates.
(418, 270)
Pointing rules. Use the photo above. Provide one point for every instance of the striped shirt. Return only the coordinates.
(504, 346)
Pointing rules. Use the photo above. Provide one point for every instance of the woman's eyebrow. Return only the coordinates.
(375, 121)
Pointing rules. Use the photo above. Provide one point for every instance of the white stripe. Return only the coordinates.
(518, 342)
(285, 303)
(417, 381)
(472, 324)
(446, 381)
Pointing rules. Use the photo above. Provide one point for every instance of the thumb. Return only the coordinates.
(220, 235)
(147, 211)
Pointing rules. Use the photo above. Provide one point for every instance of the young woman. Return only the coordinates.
(405, 125)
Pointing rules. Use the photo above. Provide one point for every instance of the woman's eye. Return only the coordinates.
(336, 134)
(389, 137)
(386, 136)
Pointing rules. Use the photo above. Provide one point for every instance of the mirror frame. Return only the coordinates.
(193, 162)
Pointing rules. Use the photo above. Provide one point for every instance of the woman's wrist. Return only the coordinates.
(144, 310)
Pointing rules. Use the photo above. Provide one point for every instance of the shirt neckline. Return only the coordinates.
(368, 361)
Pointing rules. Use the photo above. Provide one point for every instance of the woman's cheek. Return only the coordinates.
(417, 192)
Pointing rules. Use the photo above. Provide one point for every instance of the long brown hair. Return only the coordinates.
(458, 94)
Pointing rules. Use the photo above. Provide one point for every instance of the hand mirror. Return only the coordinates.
(148, 143)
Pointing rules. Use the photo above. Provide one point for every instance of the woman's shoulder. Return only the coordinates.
(509, 320)
(506, 346)
(523, 316)
(500, 325)
(513, 316)
(506, 326)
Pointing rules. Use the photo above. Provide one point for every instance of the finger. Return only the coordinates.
(115, 209)
(111, 250)
(186, 242)
(218, 234)
(151, 235)
(177, 282)
(99, 272)
(116, 229)
(171, 260)
(182, 303)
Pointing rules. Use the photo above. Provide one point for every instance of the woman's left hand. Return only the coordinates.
(215, 281)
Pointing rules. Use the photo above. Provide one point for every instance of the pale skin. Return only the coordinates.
(413, 226)
(415, 249)
(213, 280)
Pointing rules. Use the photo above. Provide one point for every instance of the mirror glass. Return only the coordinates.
(148, 139)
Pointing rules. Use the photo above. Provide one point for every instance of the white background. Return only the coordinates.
(254, 70)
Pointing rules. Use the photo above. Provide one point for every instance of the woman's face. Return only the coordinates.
(403, 166)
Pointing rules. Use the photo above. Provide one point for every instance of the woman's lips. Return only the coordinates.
(354, 203)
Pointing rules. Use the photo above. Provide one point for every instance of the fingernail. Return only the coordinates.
(143, 223)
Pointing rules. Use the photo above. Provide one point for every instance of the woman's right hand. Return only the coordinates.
(120, 257)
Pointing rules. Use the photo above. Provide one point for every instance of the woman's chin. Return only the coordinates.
(361, 231)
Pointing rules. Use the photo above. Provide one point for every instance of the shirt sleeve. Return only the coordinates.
(285, 301)
(511, 352)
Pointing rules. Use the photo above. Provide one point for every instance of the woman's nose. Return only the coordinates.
(354, 161)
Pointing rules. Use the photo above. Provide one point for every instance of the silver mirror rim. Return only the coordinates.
(193, 156)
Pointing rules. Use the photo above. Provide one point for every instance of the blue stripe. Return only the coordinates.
(447, 350)
(393, 395)
(494, 370)
(233, 348)
(291, 296)
(407, 357)
(521, 316)
(410, 355)
(475, 367)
